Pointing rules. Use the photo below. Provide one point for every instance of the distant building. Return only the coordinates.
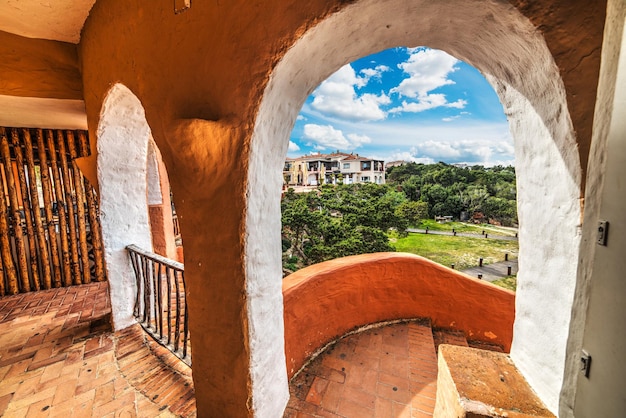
(396, 163)
(334, 168)
(461, 165)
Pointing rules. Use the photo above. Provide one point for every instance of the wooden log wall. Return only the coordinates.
(49, 227)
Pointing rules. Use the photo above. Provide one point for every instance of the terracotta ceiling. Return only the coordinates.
(57, 20)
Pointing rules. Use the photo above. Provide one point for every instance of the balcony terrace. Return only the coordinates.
(360, 338)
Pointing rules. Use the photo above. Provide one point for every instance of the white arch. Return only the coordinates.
(153, 178)
(123, 137)
(503, 44)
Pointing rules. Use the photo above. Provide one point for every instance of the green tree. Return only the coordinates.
(337, 221)
(473, 198)
(413, 212)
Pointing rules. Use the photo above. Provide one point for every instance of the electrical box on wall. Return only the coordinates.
(585, 363)
(603, 230)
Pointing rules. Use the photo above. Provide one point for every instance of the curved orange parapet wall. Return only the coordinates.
(327, 300)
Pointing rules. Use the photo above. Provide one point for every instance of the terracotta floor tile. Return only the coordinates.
(401, 410)
(423, 403)
(379, 365)
(58, 358)
(316, 393)
(332, 397)
(400, 382)
(4, 402)
(365, 399)
(383, 408)
(351, 409)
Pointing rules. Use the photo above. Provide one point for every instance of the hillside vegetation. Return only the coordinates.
(340, 220)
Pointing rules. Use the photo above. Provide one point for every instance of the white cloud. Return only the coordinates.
(428, 69)
(359, 140)
(337, 97)
(451, 118)
(471, 151)
(370, 72)
(293, 147)
(439, 149)
(408, 156)
(459, 104)
(375, 72)
(300, 117)
(427, 102)
(465, 141)
(322, 137)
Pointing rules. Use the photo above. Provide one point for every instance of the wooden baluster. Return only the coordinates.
(83, 144)
(80, 210)
(69, 199)
(46, 188)
(5, 240)
(34, 197)
(28, 210)
(96, 235)
(15, 210)
(59, 195)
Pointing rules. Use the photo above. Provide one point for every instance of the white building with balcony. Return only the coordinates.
(334, 168)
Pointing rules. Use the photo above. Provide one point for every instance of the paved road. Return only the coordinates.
(464, 234)
(493, 271)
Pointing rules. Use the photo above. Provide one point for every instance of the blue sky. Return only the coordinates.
(414, 104)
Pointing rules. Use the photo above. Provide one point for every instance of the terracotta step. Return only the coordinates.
(486, 346)
(442, 336)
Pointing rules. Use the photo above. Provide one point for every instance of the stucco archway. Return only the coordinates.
(123, 138)
(503, 44)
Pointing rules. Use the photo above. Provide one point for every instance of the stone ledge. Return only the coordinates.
(474, 383)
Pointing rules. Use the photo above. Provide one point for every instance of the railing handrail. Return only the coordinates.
(156, 257)
(160, 303)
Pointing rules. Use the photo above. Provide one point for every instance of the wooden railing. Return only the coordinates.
(160, 305)
(49, 227)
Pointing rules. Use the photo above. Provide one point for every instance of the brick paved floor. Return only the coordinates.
(381, 372)
(58, 357)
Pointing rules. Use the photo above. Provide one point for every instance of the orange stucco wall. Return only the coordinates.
(39, 68)
(324, 301)
(200, 76)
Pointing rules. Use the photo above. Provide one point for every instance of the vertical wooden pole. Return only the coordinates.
(58, 192)
(69, 199)
(2, 286)
(5, 241)
(15, 211)
(34, 198)
(80, 210)
(83, 144)
(47, 205)
(28, 210)
(96, 235)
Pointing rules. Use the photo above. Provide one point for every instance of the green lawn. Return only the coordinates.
(465, 227)
(509, 282)
(461, 251)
